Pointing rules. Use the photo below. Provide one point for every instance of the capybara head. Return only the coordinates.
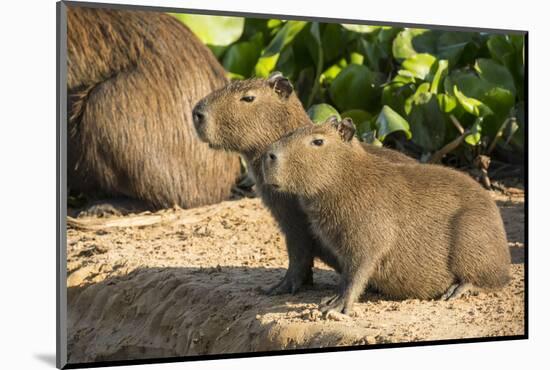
(308, 160)
(246, 116)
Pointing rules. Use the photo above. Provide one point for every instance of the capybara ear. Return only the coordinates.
(346, 129)
(333, 121)
(280, 84)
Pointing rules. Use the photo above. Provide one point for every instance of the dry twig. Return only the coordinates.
(143, 219)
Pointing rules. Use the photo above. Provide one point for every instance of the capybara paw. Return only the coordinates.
(334, 304)
(285, 286)
(458, 291)
(100, 210)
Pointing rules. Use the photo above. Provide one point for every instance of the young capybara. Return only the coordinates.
(132, 79)
(246, 117)
(411, 231)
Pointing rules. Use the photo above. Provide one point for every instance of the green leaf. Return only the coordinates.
(420, 96)
(286, 64)
(376, 57)
(397, 92)
(440, 74)
(360, 28)
(441, 44)
(451, 45)
(447, 103)
(319, 113)
(213, 29)
(517, 138)
(517, 41)
(468, 83)
(419, 65)
(471, 105)
(234, 76)
(274, 23)
(217, 50)
(428, 123)
(330, 74)
(411, 41)
(270, 56)
(389, 121)
(500, 48)
(499, 100)
(334, 40)
(241, 57)
(474, 137)
(385, 37)
(314, 45)
(356, 58)
(495, 73)
(316, 51)
(356, 87)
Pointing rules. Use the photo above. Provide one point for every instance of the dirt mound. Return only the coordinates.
(187, 284)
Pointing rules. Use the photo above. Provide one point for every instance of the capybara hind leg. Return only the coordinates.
(480, 255)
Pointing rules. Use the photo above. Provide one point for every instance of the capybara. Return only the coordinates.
(132, 79)
(411, 231)
(246, 117)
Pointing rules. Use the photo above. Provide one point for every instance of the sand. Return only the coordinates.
(188, 285)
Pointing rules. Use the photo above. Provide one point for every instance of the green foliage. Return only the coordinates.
(215, 31)
(406, 85)
(320, 112)
(390, 121)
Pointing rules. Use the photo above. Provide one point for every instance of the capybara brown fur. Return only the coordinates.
(246, 117)
(411, 231)
(132, 79)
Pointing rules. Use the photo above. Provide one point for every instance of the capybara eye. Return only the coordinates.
(248, 98)
(318, 142)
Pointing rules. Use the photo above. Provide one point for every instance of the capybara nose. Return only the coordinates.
(198, 115)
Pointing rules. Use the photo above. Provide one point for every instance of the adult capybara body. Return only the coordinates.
(133, 78)
(411, 231)
(246, 117)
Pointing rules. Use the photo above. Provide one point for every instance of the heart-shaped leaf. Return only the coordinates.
(428, 123)
(495, 73)
(411, 41)
(447, 103)
(500, 48)
(420, 96)
(389, 121)
(360, 28)
(319, 113)
(397, 92)
(419, 65)
(471, 105)
(213, 29)
(356, 87)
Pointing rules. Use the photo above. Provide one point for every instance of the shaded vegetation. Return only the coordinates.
(431, 93)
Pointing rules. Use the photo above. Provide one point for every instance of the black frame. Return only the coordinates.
(61, 190)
